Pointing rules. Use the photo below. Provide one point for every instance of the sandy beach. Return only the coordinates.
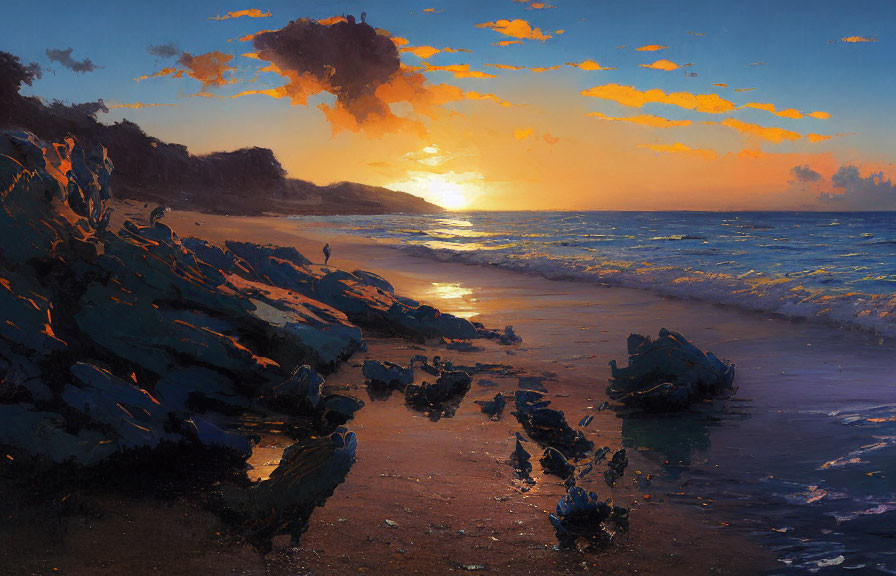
(434, 497)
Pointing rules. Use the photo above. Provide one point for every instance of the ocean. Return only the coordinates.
(837, 267)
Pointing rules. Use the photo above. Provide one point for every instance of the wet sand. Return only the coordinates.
(446, 486)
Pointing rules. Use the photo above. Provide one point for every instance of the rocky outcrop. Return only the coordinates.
(121, 346)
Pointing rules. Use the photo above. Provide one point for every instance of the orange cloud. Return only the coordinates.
(250, 37)
(529, 68)
(137, 105)
(589, 65)
(473, 95)
(460, 71)
(651, 48)
(743, 89)
(534, 4)
(770, 133)
(422, 52)
(516, 29)
(174, 72)
(812, 137)
(550, 139)
(720, 85)
(433, 11)
(679, 148)
(398, 41)
(522, 133)
(251, 13)
(662, 65)
(857, 39)
(332, 20)
(786, 113)
(644, 120)
(632, 97)
(507, 42)
(208, 68)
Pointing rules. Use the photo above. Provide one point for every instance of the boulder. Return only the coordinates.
(667, 374)
(442, 397)
(548, 427)
(493, 407)
(387, 374)
(581, 516)
(555, 463)
(300, 392)
(307, 475)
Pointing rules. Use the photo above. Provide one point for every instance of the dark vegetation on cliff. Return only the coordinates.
(249, 181)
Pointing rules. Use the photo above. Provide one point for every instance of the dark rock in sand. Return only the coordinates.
(336, 409)
(548, 427)
(616, 467)
(535, 383)
(507, 337)
(307, 475)
(442, 397)
(461, 345)
(555, 463)
(300, 392)
(581, 516)
(519, 460)
(667, 374)
(387, 374)
(493, 407)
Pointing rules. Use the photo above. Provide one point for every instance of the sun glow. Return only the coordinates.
(447, 194)
(450, 190)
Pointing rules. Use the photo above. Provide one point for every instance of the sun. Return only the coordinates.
(448, 195)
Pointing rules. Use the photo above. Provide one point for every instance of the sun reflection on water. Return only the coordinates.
(455, 298)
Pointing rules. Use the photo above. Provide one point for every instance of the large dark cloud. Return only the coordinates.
(163, 50)
(350, 60)
(873, 192)
(64, 57)
(805, 174)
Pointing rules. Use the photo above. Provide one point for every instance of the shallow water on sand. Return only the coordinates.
(840, 267)
(802, 459)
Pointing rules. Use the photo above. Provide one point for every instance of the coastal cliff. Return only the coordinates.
(246, 182)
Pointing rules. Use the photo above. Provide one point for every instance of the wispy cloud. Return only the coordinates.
(857, 39)
(534, 4)
(791, 113)
(251, 13)
(507, 42)
(651, 48)
(138, 105)
(516, 29)
(522, 133)
(64, 58)
(460, 71)
(529, 68)
(644, 120)
(769, 133)
(679, 148)
(163, 50)
(632, 97)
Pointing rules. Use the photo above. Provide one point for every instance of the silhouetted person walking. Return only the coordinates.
(326, 253)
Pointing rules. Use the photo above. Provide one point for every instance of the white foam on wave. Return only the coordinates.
(751, 290)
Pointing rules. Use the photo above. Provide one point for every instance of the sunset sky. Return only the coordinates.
(504, 104)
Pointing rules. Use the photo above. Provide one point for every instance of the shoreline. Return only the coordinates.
(436, 473)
